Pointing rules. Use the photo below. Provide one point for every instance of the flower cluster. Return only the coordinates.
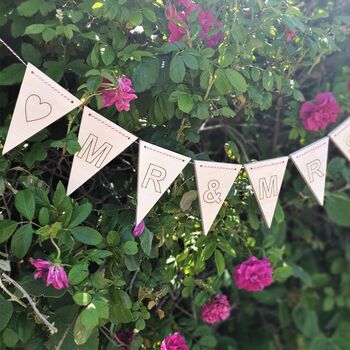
(317, 116)
(51, 273)
(174, 342)
(119, 95)
(253, 274)
(178, 22)
(216, 310)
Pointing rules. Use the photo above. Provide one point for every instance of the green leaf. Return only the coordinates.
(10, 338)
(86, 235)
(29, 8)
(82, 298)
(149, 14)
(130, 248)
(220, 262)
(146, 241)
(6, 308)
(35, 29)
(306, 321)
(44, 216)
(49, 34)
(236, 79)
(268, 80)
(120, 308)
(7, 228)
(81, 332)
(177, 69)
(187, 200)
(78, 273)
(338, 209)
(185, 103)
(135, 18)
(31, 54)
(145, 74)
(12, 74)
(107, 54)
(21, 241)
(190, 60)
(80, 213)
(25, 203)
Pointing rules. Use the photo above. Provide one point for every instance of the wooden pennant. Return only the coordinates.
(214, 181)
(311, 162)
(41, 101)
(341, 137)
(266, 179)
(158, 168)
(101, 141)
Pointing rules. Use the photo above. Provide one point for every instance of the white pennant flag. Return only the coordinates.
(40, 102)
(101, 141)
(341, 137)
(158, 168)
(214, 181)
(311, 162)
(266, 179)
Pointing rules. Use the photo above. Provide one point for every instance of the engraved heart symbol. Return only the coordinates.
(35, 109)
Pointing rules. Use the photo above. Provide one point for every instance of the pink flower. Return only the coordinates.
(125, 337)
(178, 21)
(216, 310)
(138, 230)
(318, 115)
(290, 35)
(51, 273)
(119, 96)
(174, 342)
(253, 274)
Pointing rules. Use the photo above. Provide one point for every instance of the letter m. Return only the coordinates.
(93, 155)
(267, 190)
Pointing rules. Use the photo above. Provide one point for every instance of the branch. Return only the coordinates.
(43, 318)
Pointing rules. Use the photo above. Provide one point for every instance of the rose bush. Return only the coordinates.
(213, 80)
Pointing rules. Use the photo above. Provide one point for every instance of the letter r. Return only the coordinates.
(155, 174)
(313, 168)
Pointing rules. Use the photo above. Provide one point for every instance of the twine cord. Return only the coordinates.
(13, 52)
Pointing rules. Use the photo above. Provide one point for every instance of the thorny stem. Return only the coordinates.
(13, 297)
(43, 318)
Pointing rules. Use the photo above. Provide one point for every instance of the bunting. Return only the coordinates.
(41, 101)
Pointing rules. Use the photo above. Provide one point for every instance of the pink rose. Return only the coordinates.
(178, 20)
(253, 274)
(120, 96)
(174, 342)
(318, 115)
(216, 310)
(290, 35)
(124, 338)
(51, 273)
(138, 230)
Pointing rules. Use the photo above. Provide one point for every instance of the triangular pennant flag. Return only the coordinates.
(40, 102)
(158, 168)
(101, 141)
(266, 179)
(311, 162)
(214, 181)
(341, 137)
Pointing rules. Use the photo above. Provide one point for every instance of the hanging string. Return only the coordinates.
(13, 52)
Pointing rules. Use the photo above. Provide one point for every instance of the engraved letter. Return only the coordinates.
(92, 154)
(267, 190)
(313, 167)
(156, 174)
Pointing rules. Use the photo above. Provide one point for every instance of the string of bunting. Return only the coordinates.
(41, 101)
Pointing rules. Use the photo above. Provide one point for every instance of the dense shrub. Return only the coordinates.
(228, 92)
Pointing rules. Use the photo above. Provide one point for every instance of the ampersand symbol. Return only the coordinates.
(210, 195)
